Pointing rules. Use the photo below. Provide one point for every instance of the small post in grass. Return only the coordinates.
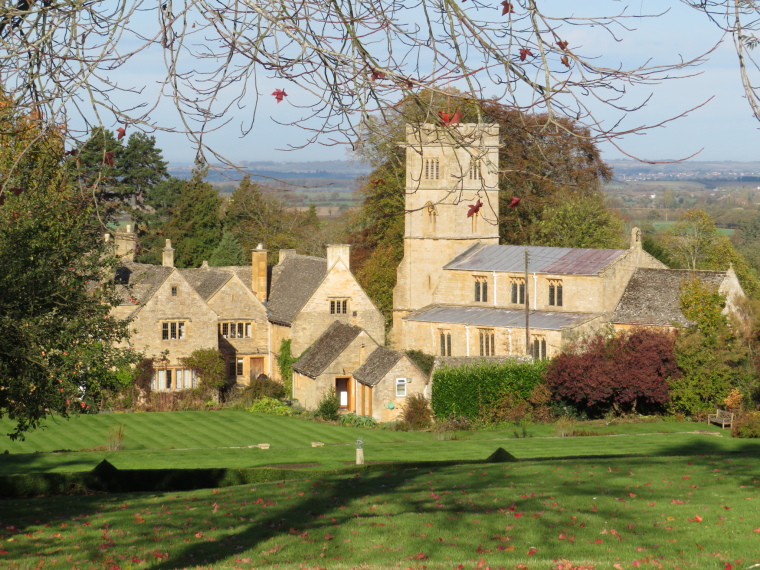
(359, 452)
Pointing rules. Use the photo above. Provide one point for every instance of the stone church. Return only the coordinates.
(459, 293)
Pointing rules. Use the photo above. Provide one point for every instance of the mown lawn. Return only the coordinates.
(684, 512)
(221, 439)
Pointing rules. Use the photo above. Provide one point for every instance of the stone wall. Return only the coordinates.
(384, 393)
(315, 317)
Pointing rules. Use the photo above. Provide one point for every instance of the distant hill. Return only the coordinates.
(271, 172)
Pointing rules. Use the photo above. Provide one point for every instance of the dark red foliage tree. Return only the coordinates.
(626, 373)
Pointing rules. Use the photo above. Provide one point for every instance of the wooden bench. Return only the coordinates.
(721, 417)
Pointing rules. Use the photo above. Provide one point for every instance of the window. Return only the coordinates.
(401, 387)
(555, 292)
(235, 330)
(183, 379)
(338, 306)
(173, 330)
(481, 290)
(432, 169)
(518, 291)
(232, 367)
(239, 367)
(487, 342)
(174, 290)
(539, 348)
(445, 343)
(430, 214)
(474, 172)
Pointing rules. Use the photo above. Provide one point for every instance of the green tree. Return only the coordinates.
(57, 340)
(139, 167)
(694, 242)
(228, 252)
(194, 225)
(161, 201)
(208, 364)
(712, 357)
(584, 222)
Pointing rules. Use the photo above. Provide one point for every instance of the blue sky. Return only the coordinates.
(723, 129)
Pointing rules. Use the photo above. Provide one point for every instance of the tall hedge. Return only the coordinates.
(466, 390)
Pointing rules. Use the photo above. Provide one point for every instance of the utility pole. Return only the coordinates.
(527, 308)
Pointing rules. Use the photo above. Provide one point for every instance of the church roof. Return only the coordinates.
(379, 363)
(553, 260)
(653, 296)
(326, 349)
(492, 317)
(293, 283)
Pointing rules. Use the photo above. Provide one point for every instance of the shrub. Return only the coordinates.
(285, 360)
(470, 390)
(747, 426)
(416, 412)
(423, 361)
(624, 373)
(454, 423)
(507, 409)
(352, 420)
(208, 363)
(328, 406)
(269, 406)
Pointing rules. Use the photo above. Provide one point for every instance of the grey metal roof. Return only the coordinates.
(653, 296)
(326, 349)
(293, 283)
(492, 317)
(379, 363)
(553, 260)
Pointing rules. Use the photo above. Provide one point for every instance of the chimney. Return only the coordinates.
(259, 271)
(337, 252)
(126, 242)
(285, 253)
(204, 265)
(635, 238)
(167, 259)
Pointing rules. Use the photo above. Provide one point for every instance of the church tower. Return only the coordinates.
(448, 170)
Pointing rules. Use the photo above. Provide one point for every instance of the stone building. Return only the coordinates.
(174, 312)
(368, 379)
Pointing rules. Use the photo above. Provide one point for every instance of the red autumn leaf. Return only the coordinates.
(450, 119)
(532, 550)
(481, 563)
(3, 552)
(565, 61)
(508, 8)
(697, 518)
(83, 37)
(757, 530)
(377, 74)
(474, 209)
(121, 132)
(524, 53)
(108, 159)
(279, 95)
(562, 45)
(419, 556)
(514, 202)
(328, 536)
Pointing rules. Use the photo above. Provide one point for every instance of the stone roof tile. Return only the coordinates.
(652, 296)
(326, 349)
(377, 366)
(293, 283)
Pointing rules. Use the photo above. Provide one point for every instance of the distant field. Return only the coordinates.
(661, 226)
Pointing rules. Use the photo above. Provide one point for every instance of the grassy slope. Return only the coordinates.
(698, 512)
(214, 439)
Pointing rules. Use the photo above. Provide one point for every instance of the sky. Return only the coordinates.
(722, 129)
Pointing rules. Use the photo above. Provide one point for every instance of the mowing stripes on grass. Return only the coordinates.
(695, 512)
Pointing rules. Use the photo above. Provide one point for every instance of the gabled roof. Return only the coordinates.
(137, 282)
(377, 366)
(492, 317)
(293, 283)
(552, 260)
(326, 349)
(653, 296)
(207, 280)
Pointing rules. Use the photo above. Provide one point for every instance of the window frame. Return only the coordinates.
(401, 387)
(172, 330)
